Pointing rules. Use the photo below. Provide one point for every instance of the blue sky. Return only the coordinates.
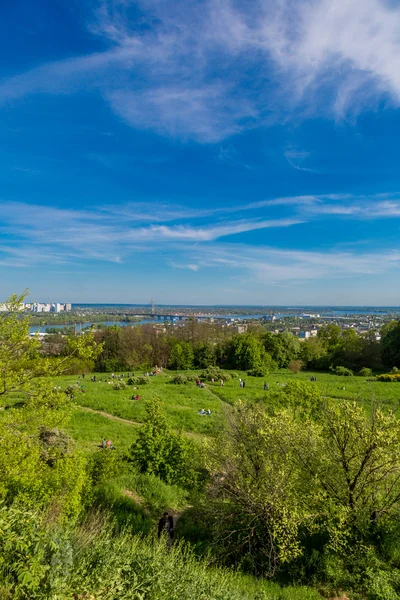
(201, 152)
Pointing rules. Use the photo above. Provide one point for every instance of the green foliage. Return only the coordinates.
(256, 522)
(161, 452)
(119, 385)
(135, 380)
(342, 372)
(303, 398)
(205, 355)
(282, 348)
(391, 377)
(295, 366)
(365, 372)
(191, 377)
(104, 465)
(92, 562)
(390, 344)
(214, 373)
(259, 372)
(313, 353)
(181, 356)
(246, 352)
(37, 461)
(179, 379)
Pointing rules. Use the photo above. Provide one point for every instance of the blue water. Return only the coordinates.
(325, 312)
(81, 326)
(258, 310)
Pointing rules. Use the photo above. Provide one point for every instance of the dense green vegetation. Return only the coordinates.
(194, 345)
(289, 489)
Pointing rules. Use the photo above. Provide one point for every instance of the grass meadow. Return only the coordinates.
(181, 403)
(136, 500)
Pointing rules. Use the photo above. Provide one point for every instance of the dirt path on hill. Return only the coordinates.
(215, 395)
(190, 434)
(109, 416)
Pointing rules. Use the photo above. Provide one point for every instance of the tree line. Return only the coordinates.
(200, 345)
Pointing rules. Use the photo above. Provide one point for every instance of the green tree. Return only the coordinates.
(283, 347)
(181, 356)
(162, 452)
(255, 503)
(246, 352)
(330, 335)
(31, 404)
(204, 355)
(312, 353)
(390, 344)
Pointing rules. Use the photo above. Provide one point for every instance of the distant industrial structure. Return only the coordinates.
(41, 307)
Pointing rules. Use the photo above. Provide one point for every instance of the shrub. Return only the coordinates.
(119, 385)
(93, 562)
(138, 380)
(389, 377)
(365, 372)
(259, 372)
(192, 377)
(105, 464)
(343, 371)
(295, 366)
(76, 366)
(179, 379)
(214, 373)
(160, 451)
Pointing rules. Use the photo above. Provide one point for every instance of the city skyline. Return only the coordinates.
(201, 152)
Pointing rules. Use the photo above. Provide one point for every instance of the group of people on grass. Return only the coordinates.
(107, 444)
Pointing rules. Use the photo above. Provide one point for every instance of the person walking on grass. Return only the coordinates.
(166, 527)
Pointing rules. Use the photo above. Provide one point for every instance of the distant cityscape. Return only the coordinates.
(42, 307)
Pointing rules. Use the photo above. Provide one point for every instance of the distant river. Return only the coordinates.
(81, 326)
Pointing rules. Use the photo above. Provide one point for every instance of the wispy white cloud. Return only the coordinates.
(191, 267)
(184, 73)
(297, 160)
(33, 233)
(112, 236)
(273, 265)
(209, 233)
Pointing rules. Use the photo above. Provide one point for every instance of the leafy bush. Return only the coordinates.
(119, 385)
(259, 372)
(179, 379)
(104, 465)
(138, 380)
(93, 562)
(192, 377)
(343, 372)
(365, 372)
(295, 366)
(389, 377)
(214, 373)
(77, 366)
(160, 451)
